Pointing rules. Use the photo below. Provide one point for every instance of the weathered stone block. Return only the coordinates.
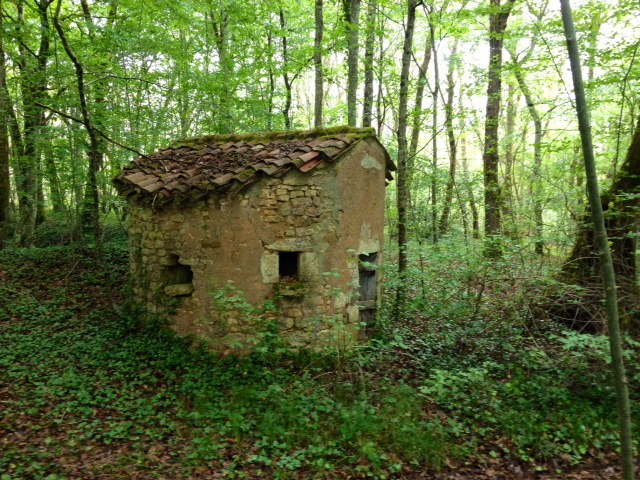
(286, 323)
(269, 267)
(301, 202)
(179, 289)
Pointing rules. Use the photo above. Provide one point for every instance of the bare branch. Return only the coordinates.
(98, 131)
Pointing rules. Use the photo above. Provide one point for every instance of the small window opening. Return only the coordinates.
(178, 275)
(176, 272)
(289, 265)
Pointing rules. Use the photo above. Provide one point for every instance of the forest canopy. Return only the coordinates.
(87, 87)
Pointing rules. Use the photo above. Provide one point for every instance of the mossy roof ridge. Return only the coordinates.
(195, 168)
(354, 133)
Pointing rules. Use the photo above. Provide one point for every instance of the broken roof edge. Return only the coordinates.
(284, 135)
(351, 136)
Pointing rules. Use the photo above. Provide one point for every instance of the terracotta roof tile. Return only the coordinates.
(311, 164)
(194, 168)
(332, 143)
(328, 151)
(309, 156)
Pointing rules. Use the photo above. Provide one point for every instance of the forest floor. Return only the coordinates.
(88, 394)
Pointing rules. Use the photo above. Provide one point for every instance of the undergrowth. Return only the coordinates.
(468, 377)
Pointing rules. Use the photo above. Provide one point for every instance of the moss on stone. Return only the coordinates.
(267, 137)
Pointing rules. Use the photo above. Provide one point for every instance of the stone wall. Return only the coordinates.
(189, 263)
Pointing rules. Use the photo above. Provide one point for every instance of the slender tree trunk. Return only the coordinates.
(286, 112)
(417, 117)
(401, 177)
(600, 233)
(317, 61)
(443, 225)
(508, 209)
(352, 61)
(33, 76)
(498, 24)
(434, 136)
(537, 159)
(475, 220)
(592, 40)
(5, 183)
(381, 112)
(90, 214)
(51, 173)
(272, 83)
(367, 106)
(40, 215)
(418, 108)
(101, 90)
(221, 34)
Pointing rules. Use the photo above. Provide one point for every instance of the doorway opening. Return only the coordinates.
(368, 299)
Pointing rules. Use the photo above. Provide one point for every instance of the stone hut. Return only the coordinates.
(232, 236)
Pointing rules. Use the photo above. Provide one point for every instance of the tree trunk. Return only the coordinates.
(367, 106)
(272, 83)
(443, 225)
(417, 117)
(5, 184)
(402, 157)
(381, 112)
(434, 136)
(498, 24)
(621, 207)
(600, 237)
(33, 77)
(510, 227)
(221, 33)
(475, 220)
(286, 111)
(55, 188)
(537, 159)
(40, 215)
(352, 60)
(90, 213)
(317, 61)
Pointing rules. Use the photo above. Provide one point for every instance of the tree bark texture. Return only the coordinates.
(443, 225)
(475, 218)
(90, 214)
(317, 62)
(509, 224)
(401, 177)
(353, 28)
(381, 111)
(600, 239)
(434, 135)
(5, 184)
(417, 116)
(100, 89)
(621, 207)
(498, 24)
(536, 186)
(51, 173)
(220, 22)
(369, 43)
(272, 83)
(286, 111)
(34, 84)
